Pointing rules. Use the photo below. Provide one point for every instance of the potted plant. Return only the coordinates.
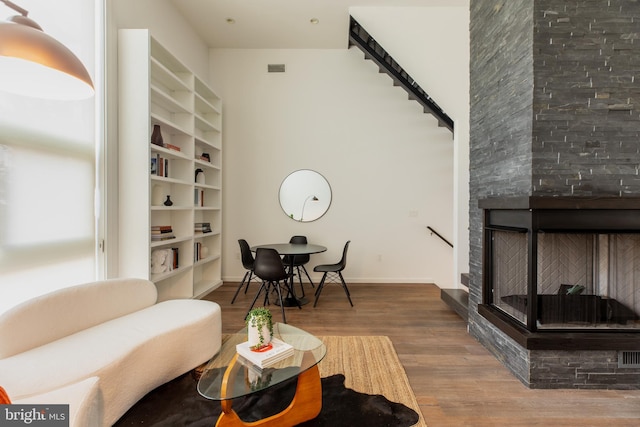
(259, 328)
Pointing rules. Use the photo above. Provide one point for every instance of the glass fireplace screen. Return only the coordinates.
(582, 280)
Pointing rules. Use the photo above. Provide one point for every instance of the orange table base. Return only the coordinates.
(306, 403)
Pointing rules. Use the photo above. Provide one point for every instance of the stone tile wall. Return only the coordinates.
(555, 110)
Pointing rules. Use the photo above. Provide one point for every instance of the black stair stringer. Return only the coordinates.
(359, 37)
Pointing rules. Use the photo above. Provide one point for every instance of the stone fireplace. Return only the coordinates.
(554, 280)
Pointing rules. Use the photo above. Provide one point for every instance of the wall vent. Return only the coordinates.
(629, 359)
(275, 68)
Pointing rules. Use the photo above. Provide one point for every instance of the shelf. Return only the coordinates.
(188, 113)
(167, 101)
(173, 127)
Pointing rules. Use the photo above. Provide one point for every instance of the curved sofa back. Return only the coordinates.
(52, 316)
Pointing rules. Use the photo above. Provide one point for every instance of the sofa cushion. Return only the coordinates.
(86, 408)
(69, 310)
(131, 355)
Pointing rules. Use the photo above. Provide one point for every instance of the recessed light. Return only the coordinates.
(231, 21)
(314, 20)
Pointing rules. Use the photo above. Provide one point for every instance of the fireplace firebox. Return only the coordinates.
(563, 272)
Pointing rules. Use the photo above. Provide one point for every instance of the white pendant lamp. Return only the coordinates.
(34, 64)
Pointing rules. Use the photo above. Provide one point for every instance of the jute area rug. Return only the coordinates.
(364, 384)
(370, 365)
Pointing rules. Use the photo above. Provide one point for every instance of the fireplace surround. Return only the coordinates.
(555, 135)
(561, 278)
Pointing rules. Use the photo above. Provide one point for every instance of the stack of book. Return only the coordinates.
(279, 350)
(202, 227)
(161, 232)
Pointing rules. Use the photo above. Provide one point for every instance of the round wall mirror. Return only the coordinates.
(305, 195)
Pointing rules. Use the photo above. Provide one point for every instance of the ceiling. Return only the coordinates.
(282, 24)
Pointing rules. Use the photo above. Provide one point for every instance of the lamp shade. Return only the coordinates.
(35, 64)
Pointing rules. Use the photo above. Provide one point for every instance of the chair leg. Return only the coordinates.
(268, 289)
(246, 288)
(319, 289)
(344, 286)
(308, 277)
(240, 286)
(256, 298)
(277, 286)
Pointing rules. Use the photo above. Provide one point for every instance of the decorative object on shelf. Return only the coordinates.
(45, 67)
(168, 202)
(161, 261)
(259, 328)
(156, 136)
(205, 157)
(200, 178)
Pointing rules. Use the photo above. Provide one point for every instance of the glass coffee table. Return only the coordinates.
(228, 376)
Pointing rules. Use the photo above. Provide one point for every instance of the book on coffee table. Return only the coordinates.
(279, 350)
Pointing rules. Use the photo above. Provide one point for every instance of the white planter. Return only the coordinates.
(254, 335)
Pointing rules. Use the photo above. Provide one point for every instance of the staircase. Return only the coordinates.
(359, 37)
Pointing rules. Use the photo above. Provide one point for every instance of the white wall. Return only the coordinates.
(391, 168)
(167, 26)
(389, 165)
(433, 47)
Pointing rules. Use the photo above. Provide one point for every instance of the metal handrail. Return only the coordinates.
(439, 235)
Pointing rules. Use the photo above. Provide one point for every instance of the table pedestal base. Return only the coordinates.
(291, 301)
(306, 405)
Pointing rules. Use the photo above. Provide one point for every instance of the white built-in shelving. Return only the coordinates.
(156, 89)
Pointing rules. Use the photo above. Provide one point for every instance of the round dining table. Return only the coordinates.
(293, 249)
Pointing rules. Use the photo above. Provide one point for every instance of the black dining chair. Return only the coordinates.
(268, 266)
(299, 261)
(333, 272)
(247, 262)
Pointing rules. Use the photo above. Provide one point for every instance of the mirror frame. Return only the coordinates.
(306, 193)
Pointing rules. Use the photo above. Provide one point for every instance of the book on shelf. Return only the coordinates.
(172, 147)
(279, 350)
(161, 232)
(159, 165)
(202, 227)
(198, 197)
(174, 260)
(160, 237)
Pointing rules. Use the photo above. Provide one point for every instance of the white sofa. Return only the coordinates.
(107, 343)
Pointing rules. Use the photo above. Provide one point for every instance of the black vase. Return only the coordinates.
(156, 136)
(168, 202)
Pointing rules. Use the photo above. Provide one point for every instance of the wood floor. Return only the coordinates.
(455, 379)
